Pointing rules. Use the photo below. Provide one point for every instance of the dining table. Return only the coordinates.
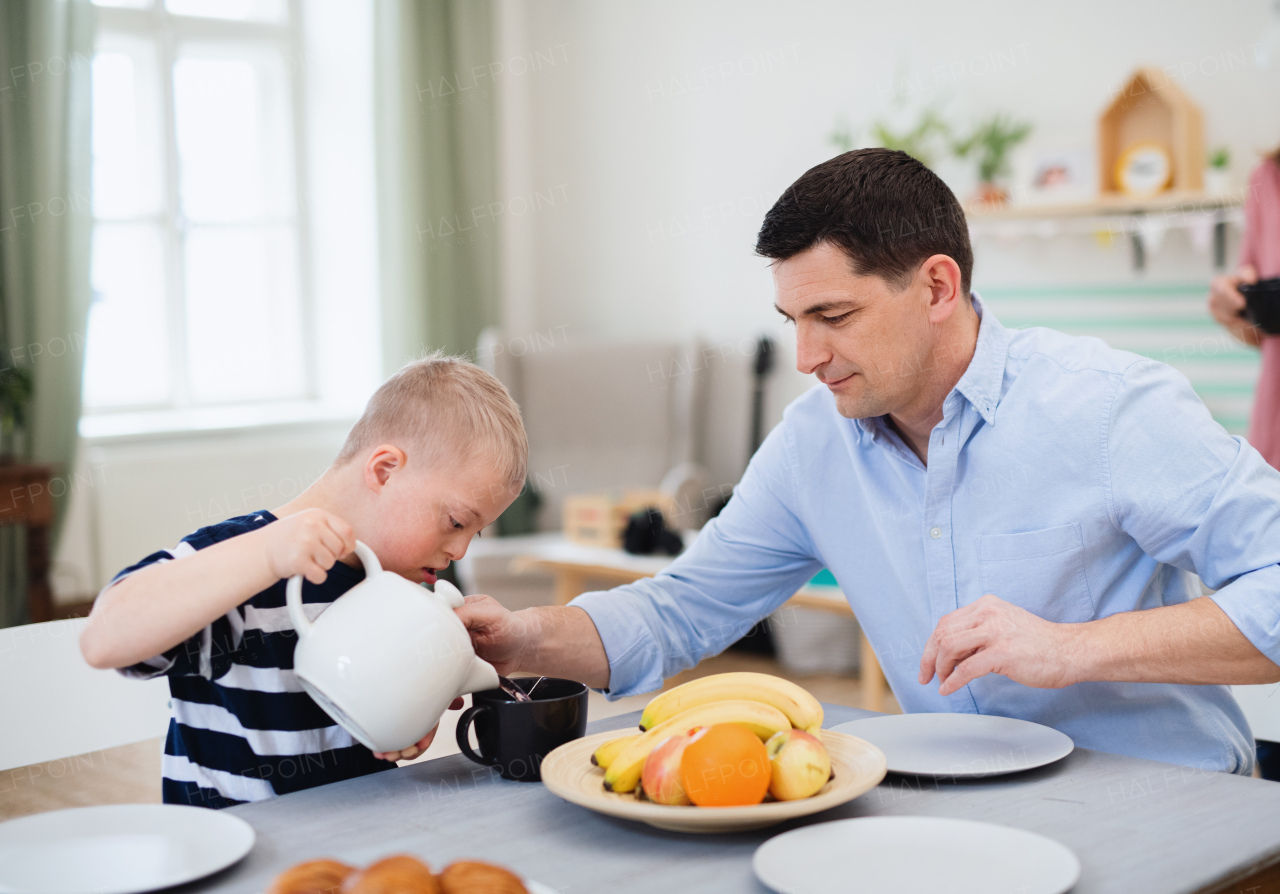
(1137, 826)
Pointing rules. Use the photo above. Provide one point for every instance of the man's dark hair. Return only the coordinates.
(887, 211)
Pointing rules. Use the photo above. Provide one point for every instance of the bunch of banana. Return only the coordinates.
(605, 754)
(802, 709)
(622, 773)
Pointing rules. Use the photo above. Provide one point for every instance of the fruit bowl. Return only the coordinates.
(568, 773)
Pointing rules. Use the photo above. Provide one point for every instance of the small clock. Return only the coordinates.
(1144, 169)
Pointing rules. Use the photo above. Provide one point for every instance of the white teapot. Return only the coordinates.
(387, 657)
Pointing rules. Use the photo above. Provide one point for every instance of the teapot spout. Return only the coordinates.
(480, 676)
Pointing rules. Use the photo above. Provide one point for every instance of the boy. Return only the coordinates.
(438, 454)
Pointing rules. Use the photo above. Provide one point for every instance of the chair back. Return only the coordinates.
(1261, 707)
(602, 415)
(54, 705)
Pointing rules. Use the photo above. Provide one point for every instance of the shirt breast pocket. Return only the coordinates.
(1041, 571)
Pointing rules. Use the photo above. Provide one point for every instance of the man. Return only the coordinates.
(1016, 515)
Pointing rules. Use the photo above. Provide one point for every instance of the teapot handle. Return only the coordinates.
(293, 590)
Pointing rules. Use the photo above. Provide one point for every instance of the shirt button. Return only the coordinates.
(935, 533)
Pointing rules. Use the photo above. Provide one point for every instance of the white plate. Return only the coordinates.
(538, 887)
(960, 744)
(893, 854)
(118, 849)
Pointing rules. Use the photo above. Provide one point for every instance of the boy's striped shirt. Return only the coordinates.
(241, 727)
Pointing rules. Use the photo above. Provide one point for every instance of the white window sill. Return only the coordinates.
(100, 428)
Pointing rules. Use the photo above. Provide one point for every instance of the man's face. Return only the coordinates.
(867, 340)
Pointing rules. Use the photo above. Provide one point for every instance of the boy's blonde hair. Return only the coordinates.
(450, 408)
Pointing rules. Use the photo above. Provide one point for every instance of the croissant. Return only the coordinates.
(312, 877)
(400, 874)
(474, 877)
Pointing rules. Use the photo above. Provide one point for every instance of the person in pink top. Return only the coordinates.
(1259, 259)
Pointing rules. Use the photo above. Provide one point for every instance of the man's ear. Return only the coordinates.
(941, 275)
(382, 462)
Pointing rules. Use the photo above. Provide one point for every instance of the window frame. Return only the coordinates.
(168, 32)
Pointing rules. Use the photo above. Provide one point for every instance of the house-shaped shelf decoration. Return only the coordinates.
(1150, 108)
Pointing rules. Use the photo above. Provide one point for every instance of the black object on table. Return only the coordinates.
(1262, 304)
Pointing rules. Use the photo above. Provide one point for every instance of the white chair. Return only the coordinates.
(54, 705)
(601, 416)
(1261, 707)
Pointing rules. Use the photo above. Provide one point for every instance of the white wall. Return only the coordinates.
(135, 495)
(671, 127)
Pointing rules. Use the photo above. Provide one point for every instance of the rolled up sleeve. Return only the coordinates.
(745, 563)
(1197, 498)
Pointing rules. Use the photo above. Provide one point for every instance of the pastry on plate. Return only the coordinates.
(474, 877)
(312, 877)
(400, 874)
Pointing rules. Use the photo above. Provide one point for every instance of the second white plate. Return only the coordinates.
(118, 849)
(960, 744)
(893, 854)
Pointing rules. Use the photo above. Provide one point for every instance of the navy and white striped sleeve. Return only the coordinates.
(196, 655)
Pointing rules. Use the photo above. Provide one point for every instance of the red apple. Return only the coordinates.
(660, 778)
(801, 765)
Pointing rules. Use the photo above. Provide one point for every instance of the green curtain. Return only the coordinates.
(440, 207)
(46, 49)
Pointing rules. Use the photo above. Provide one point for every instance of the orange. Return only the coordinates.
(725, 765)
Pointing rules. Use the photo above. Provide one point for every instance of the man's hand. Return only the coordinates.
(992, 636)
(501, 637)
(556, 640)
(408, 754)
(306, 543)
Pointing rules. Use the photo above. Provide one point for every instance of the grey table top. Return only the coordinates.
(1137, 825)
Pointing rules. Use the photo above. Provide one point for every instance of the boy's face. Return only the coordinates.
(423, 519)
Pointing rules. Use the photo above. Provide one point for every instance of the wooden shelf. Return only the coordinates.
(1108, 205)
(1106, 209)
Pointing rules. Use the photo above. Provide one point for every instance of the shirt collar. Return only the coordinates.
(982, 381)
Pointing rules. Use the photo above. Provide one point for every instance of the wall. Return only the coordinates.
(669, 128)
(135, 495)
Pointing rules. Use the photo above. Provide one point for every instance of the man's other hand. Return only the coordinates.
(499, 636)
(992, 636)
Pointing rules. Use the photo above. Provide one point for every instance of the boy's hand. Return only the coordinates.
(498, 635)
(307, 543)
(408, 754)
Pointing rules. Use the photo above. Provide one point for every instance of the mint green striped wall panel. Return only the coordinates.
(1167, 321)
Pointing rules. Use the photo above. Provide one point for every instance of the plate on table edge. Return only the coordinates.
(890, 847)
(208, 841)
(932, 727)
(568, 773)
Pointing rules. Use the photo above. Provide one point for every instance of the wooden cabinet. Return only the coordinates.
(26, 498)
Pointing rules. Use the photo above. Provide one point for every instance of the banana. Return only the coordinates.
(604, 755)
(764, 720)
(802, 709)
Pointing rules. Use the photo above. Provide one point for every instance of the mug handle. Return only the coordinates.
(464, 728)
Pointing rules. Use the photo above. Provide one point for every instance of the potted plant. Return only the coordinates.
(1217, 178)
(15, 394)
(919, 141)
(991, 141)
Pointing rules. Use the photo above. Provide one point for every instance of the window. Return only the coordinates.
(200, 257)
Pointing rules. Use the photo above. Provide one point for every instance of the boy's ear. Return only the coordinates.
(381, 463)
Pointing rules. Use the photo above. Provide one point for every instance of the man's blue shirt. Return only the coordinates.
(1065, 477)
